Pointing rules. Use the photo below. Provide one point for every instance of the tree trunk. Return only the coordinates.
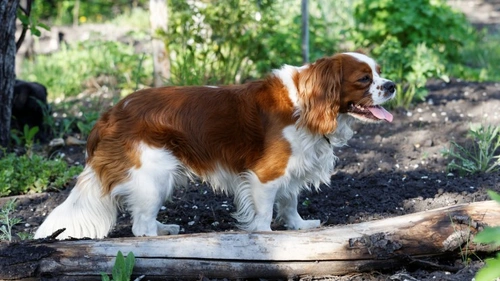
(8, 10)
(368, 246)
(161, 60)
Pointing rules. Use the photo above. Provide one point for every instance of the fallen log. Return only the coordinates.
(367, 246)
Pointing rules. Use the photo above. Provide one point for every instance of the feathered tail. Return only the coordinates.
(87, 212)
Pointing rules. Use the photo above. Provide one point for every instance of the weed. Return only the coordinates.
(465, 235)
(88, 122)
(26, 138)
(25, 235)
(490, 235)
(122, 270)
(480, 156)
(29, 138)
(7, 221)
(65, 126)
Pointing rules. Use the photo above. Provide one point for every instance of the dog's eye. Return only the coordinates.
(365, 79)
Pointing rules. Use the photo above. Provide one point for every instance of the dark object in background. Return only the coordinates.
(29, 105)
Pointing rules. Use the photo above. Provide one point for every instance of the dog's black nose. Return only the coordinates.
(389, 87)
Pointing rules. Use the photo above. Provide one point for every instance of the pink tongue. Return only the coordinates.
(380, 113)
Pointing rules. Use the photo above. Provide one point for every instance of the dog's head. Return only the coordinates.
(347, 83)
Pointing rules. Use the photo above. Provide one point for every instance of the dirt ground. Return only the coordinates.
(388, 169)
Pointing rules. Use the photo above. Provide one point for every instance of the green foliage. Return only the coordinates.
(406, 38)
(65, 11)
(410, 67)
(63, 72)
(413, 22)
(87, 123)
(7, 221)
(213, 42)
(481, 156)
(479, 59)
(122, 270)
(223, 42)
(25, 174)
(490, 235)
(26, 138)
(137, 18)
(31, 23)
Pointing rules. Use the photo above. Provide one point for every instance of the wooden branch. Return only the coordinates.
(337, 250)
(27, 12)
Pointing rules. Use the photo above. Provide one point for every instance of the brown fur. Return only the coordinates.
(239, 127)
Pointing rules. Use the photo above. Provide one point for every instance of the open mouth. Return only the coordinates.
(370, 113)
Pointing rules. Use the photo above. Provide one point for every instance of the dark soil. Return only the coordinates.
(388, 169)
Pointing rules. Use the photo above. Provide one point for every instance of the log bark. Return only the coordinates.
(367, 246)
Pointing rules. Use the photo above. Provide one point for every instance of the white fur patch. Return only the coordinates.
(312, 160)
(148, 187)
(286, 74)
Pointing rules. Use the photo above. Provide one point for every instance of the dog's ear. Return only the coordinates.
(319, 93)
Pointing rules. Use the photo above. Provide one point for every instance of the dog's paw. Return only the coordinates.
(304, 224)
(168, 229)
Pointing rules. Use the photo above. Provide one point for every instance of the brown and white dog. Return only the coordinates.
(263, 142)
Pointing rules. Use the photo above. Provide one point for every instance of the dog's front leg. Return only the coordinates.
(254, 201)
(286, 204)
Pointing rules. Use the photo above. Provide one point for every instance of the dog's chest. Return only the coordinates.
(312, 160)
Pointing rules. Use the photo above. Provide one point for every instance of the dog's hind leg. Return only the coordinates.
(147, 189)
(255, 201)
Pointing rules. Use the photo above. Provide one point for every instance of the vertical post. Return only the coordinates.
(161, 60)
(305, 31)
(76, 13)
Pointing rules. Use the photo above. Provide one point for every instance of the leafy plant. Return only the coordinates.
(29, 137)
(26, 138)
(87, 123)
(24, 174)
(410, 67)
(481, 155)
(30, 22)
(226, 42)
(402, 34)
(490, 235)
(413, 22)
(122, 270)
(7, 221)
(213, 42)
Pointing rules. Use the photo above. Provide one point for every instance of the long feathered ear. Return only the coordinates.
(319, 95)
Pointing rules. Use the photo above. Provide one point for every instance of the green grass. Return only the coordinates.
(65, 72)
(480, 60)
